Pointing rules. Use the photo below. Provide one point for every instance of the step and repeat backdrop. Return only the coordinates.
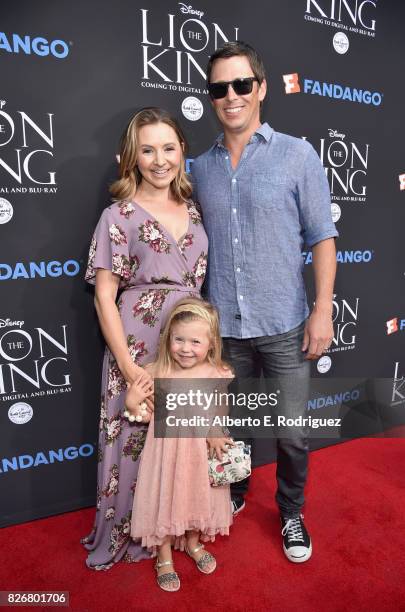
(72, 75)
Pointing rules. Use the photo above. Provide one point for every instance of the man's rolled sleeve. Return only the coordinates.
(314, 201)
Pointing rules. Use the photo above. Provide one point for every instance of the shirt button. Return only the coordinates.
(241, 297)
(234, 210)
(236, 240)
(238, 269)
(233, 180)
(226, 157)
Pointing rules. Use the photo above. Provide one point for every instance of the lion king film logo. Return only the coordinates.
(32, 363)
(344, 317)
(345, 163)
(398, 387)
(354, 16)
(176, 47)
(26, 152)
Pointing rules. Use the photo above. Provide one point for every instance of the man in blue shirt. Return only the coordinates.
(264, 195)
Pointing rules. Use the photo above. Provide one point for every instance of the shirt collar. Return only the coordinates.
(264, 131)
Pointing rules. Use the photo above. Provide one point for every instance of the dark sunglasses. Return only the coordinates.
(241, 87)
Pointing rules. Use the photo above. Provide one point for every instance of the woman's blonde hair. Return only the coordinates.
(190, 309)
(130, 177)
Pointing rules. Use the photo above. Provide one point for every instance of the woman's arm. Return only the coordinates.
(111, 325)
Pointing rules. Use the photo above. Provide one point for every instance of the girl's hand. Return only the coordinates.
(139, 391)
(150, 405)
(218, 446)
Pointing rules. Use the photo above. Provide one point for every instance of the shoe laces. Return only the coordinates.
(293, 529)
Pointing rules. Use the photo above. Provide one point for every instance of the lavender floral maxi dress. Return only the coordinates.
(155, 272)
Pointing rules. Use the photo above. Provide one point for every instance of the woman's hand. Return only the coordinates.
(133, 373)
(139, 391)
(218, 446)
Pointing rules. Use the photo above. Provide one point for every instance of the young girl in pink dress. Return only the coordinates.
(174, 502)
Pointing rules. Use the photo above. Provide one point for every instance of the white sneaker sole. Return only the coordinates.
(236, 512)
(301, 558)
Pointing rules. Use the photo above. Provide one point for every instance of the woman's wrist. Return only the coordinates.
(130, 371)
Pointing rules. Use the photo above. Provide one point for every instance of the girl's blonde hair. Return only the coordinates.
(190, 309)
(130, 177)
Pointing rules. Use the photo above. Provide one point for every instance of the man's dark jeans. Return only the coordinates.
(279, 357)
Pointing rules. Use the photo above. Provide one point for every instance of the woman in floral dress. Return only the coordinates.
(150, 248)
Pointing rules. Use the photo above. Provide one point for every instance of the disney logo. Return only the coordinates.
(188, 10)
(335, 134)
(10, 323)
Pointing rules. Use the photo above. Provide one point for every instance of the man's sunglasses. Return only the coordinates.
(241, 87)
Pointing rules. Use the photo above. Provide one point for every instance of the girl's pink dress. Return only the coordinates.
(173, 493)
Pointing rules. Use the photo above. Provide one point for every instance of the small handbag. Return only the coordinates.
(235, 465)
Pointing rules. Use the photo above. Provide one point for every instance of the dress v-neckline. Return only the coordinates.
(169, 234)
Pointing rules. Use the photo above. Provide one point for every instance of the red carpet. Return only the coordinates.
(355, 514)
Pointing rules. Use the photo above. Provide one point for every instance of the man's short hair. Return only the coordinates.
(235, 48)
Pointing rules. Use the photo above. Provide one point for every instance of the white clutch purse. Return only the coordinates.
(236, 465)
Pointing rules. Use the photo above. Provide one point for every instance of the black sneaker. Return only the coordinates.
(296, 541)
(237, 505)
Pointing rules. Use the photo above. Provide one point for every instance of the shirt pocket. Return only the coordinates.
(268, 193)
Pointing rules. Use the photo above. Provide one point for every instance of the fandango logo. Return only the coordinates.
(333, 400)
(344, 256)
(23, 462)
(394, 325)
(38, 45)
(41, 269)
(331, 90)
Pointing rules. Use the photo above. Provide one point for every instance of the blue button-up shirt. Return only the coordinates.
(258, 218)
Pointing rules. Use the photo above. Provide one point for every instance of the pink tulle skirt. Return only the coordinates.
(173, 493)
